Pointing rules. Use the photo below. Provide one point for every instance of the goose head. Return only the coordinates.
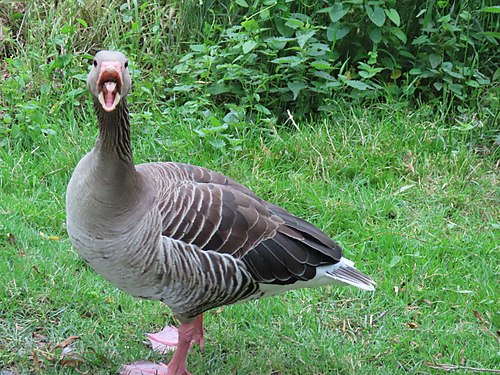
(109, 80)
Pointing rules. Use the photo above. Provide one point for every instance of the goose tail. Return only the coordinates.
(346, 273)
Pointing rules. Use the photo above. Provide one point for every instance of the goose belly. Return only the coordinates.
(123, 263)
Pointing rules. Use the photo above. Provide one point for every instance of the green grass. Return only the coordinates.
(411, 202)
(413, 199)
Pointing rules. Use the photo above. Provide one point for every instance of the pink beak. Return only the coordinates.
(109, 85)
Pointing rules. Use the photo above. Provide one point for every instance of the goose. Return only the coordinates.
(185, 235)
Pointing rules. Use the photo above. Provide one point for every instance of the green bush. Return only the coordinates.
(256, 59)
(271, 55)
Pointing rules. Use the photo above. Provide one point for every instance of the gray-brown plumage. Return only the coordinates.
(182, 234)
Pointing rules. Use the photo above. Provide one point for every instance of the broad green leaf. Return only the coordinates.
(217, 89)
(337, 11)
(282, 28)
(183, 88)
(407, 53)
(395, 74)
(294, 23)
(465, 15)
(278, 42)
(438, 85)
(395, 260)
(295, 88)
(82, 22)
(358, 85)
(399, 34)
(375, 35)
(376, 15)
(198, 48)
(323, 75)
(421, 12)
(334, 32)
(324, 10)
(445, 19)
(241, 3)
(456, 88)
(447, 66)
(292, 60)
(248, 46)
(422, 39)
(367, 71)
(393, 16)
(81, 77)
(304, 36)
(332, 84)
(260, 108)
(250, 25)
(435, 60)
(215, 122)
(217, 143)
(321, 65)
(455, 74)
(493, 9)
(472, 83)
(492, 34)
(7, 119)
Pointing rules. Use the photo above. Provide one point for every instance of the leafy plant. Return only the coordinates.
(280, 55)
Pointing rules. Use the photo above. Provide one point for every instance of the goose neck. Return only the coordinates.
(114, 131)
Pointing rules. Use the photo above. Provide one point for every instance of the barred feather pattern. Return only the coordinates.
(208, 280)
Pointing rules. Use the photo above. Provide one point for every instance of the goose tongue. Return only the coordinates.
(109, 85)
(109, 89)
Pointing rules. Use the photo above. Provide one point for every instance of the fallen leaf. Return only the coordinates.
(70, 361)
(408, 161)
(412, 325)
(54, 238)
(12, 239)
(448, 367)
(36, 361)
(478, 315)
(382, 314)
(67, 342)
(404, 188)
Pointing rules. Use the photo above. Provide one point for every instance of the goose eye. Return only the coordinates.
(126, 64)
(95, 62)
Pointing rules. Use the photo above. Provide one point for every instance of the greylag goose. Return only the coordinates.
(181, 234)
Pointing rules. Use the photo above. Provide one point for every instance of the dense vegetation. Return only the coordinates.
(376, 120)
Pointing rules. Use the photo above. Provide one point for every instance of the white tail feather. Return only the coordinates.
(346, 273)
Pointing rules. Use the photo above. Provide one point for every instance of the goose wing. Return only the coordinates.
(213, 212)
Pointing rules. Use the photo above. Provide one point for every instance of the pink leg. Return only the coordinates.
(169, 338)
(189, 333)
(198, 332)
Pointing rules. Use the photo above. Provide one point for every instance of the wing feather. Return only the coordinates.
(215, 213)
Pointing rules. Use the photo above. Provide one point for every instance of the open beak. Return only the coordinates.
(109, 85)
